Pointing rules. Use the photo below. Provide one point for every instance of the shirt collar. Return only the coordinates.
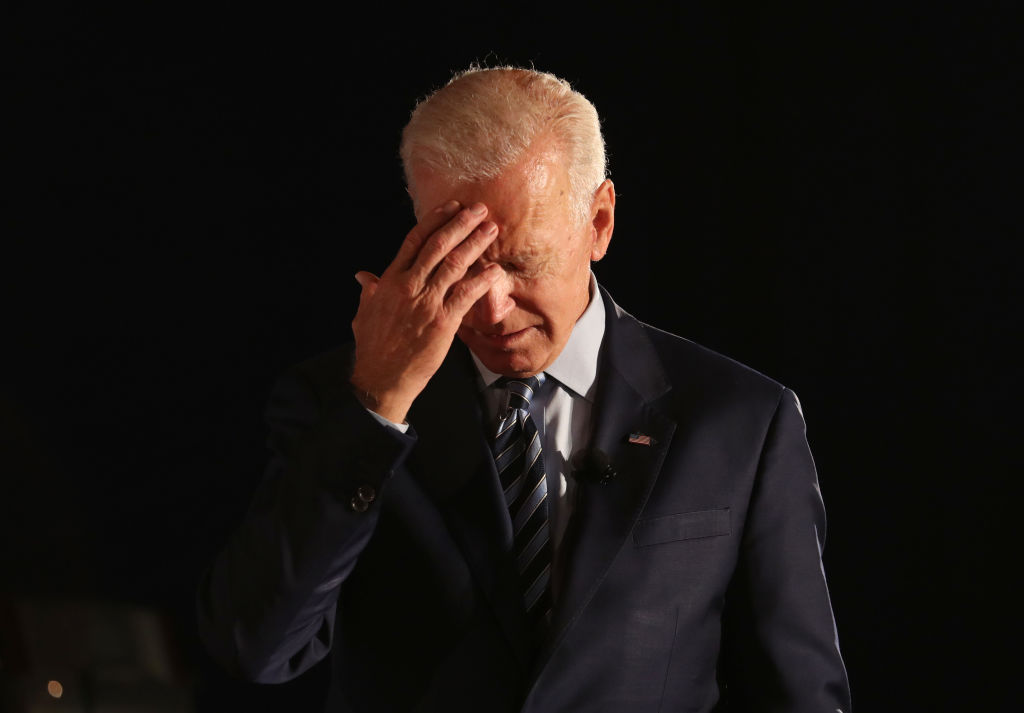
(576, 367)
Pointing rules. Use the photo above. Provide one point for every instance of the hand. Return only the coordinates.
(407, 318)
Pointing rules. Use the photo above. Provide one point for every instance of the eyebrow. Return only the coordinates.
(521, 257)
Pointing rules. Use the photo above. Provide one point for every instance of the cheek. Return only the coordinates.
(554, 300)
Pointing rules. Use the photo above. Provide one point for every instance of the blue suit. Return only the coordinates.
(693, 579)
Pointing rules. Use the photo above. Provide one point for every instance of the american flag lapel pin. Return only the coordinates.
(641, 439)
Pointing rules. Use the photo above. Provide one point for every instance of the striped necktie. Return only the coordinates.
(517, 454)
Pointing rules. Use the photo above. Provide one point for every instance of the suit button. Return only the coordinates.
(365, 494)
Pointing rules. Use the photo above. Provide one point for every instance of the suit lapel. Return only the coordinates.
(452, 433)
(631, 380)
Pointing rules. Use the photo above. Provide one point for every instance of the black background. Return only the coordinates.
(828, 195)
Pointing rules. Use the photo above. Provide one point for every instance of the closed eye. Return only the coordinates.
(523, 269)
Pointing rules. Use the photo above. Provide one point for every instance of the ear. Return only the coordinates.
(602, 219)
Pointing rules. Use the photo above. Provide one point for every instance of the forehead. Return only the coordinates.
(529, 202)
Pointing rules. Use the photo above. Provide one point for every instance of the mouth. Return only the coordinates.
(507, 340)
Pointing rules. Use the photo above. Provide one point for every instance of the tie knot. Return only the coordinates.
(521, 391)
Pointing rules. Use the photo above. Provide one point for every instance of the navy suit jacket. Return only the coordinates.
(693, 580)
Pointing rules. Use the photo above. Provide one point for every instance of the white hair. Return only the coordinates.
(486, 119)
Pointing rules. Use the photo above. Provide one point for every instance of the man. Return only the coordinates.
(561, 510)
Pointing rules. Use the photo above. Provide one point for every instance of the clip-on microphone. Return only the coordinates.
(592, 466)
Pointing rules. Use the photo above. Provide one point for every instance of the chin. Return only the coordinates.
(507, 362)
(511, 363)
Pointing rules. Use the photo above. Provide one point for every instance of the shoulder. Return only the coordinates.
(687, 361)
(304, 391)
(325, 375)
(693, 374)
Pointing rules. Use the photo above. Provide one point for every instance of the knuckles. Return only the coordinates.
(407, 289)
(455, 263)
(464, 219)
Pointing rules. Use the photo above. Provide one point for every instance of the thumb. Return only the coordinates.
(368, 281)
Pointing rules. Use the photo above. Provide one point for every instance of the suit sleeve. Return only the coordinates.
(782, 650)
(266, 606)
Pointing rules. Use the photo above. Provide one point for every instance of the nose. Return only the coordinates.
(496, 304)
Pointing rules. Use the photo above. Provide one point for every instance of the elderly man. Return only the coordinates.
(564, 509)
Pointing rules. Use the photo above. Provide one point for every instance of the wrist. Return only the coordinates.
(388, 405)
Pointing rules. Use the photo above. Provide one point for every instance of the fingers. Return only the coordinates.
(430, 223)
(466, 292)
(445, 239)
(457, 262)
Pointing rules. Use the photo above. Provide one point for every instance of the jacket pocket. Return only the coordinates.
(683, 526)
